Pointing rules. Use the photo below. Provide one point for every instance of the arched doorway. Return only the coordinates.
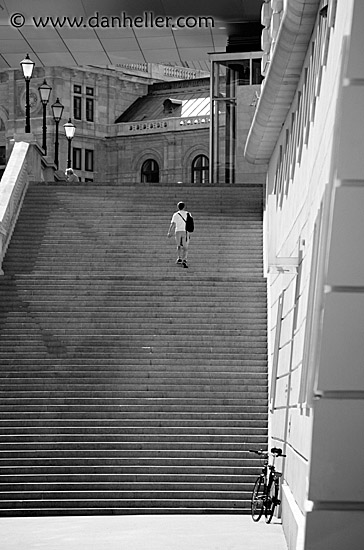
(150, 171)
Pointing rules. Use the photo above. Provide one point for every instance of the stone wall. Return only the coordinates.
(121, 158)
(315, 339)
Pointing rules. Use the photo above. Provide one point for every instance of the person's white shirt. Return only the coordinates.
(179, 219)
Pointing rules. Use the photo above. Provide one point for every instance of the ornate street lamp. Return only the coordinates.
(44, 93)
(57, 110)
(69, 129)
(27, 66)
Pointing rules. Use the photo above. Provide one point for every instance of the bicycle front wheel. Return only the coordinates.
(271, 502)
(257, 500)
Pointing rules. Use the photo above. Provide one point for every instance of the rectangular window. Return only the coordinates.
(314, 304)
(277, 347)
(89, 109)
(77, 107)
(77, 158)
(256, 71)
(2, 154)
(89, 160)
(83, 103)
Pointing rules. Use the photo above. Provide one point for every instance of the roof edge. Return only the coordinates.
(278, 92)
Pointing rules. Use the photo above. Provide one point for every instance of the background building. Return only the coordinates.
(116, 110)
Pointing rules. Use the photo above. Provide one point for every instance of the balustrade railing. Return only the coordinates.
(24, 164)
(162, 125)
(160, 71)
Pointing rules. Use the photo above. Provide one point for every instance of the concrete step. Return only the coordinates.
(133, 444)
(48, 489)
(131, 407)
(127, 378)
(121, 507)
(127, 430)
(129, 479)
(171, 470)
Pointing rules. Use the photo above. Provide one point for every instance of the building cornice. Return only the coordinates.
(281, 79)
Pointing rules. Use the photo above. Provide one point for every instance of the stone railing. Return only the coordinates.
(13, 186)
(182, 73)
(163, 72)
(138, 67)
(26, 164)
(162, 125)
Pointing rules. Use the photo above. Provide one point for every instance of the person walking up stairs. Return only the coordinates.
(178, 227)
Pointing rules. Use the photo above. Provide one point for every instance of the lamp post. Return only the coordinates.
(27, 66)
(44, 93)
(57, 110)
(69, 129)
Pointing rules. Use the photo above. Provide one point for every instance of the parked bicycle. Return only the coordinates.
(265, 497)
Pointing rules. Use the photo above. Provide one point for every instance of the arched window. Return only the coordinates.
(200, 169)
(2, 125)
(150, 171)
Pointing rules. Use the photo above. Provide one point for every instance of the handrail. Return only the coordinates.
(13, 186)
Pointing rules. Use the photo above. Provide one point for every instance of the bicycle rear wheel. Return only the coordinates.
(257, 500)
(271, 502)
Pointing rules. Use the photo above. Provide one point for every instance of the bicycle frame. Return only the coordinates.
(265, 497)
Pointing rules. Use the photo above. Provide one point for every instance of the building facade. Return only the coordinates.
(163, 137)
(309, 128)
(138, 123)
(91, 98)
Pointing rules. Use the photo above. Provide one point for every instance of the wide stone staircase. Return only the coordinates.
(128, 384)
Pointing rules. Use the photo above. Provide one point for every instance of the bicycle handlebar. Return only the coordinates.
(274, 451)
(260, 452)
(277, 452)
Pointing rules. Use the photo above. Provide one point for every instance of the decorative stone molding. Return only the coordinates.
(33, 98)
